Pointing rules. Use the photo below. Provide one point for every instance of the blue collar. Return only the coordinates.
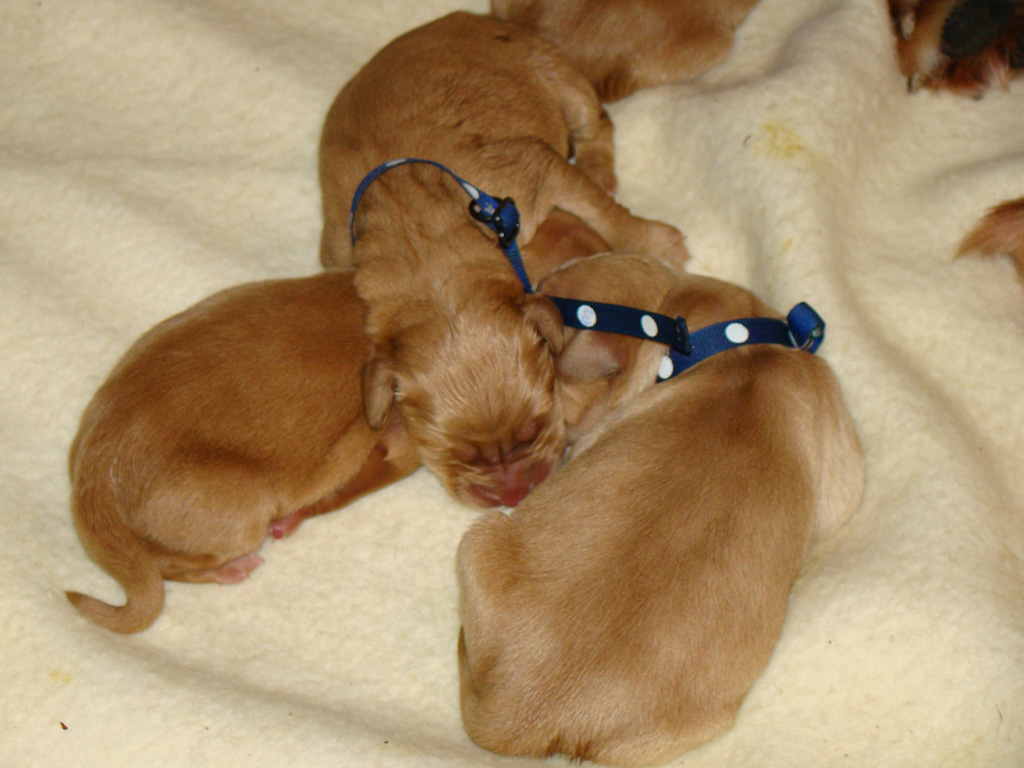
(501, 216)
(802, 329)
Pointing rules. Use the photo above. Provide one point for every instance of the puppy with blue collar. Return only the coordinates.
(458, 348)
(621, 613)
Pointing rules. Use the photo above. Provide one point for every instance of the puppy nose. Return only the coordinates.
(501, 495)
(510, 484)
(510, 497)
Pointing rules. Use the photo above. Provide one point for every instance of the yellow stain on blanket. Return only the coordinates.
(60, 676)
(781, 142)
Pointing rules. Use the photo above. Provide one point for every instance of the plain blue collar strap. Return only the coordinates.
(802, 329)
(501, 216)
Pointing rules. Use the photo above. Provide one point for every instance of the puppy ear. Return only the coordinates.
(593, 355)
(542, 313)
(378, 389)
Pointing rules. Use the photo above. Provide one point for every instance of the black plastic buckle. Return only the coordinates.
(496, 222)
(682, 344)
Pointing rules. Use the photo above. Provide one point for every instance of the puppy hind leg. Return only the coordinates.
(591, 132)
(208, 521)
(231, 572)
(571, 190)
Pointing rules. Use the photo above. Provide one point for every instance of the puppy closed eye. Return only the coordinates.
(528, 432)
(508, 448)
(466, 453)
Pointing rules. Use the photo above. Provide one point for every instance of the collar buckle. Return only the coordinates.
(503, 218)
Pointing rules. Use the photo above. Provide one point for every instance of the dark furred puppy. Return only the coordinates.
(624, 45)
(238, 418)
(959, 45)
(624, 609)
(456, 345)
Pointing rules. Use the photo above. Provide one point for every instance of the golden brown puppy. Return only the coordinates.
(235, 419)
(457, 346)
(624, 45)
(999, 233)
(623, 610)
(963, 46)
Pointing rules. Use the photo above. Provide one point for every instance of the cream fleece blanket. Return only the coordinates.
(154, 152)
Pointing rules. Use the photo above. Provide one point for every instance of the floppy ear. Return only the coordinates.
(542, 313)
(378, 389)
(593, 355)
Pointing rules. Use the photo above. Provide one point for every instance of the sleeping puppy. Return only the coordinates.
(959, 45)
(456, 345)
(623, 610)
(624, 45)
(999, 233)
(238, 418)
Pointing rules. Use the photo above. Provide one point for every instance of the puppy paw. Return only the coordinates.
(230, 572)
(904, 17)
(965, 46)
(600, 170)
(285, 526)
(667, 244)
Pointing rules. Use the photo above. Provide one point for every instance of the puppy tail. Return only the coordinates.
(115, 548)
(999, 233)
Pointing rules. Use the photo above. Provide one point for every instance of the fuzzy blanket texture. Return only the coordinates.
(152, 153)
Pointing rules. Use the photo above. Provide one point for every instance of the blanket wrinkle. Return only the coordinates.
(153, 153)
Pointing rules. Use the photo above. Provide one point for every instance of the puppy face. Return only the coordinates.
(477, 393)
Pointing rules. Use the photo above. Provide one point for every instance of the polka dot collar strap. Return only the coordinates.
(803, 329)
(617, 318)
(500, 216)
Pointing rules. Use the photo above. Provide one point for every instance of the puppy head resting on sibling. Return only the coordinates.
(457, 346)
(469, 365)
(624, 609)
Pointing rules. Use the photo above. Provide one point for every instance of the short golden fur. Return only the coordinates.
(622, 611)
(624, 45)
(235, 419)
(457, 346)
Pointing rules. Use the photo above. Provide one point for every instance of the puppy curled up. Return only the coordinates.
(231, 421)
(621, 613)
(457, 347)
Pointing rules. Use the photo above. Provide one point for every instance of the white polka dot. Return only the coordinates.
(666, 368)
(650, 327)
(586, 315)
(737, 333)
